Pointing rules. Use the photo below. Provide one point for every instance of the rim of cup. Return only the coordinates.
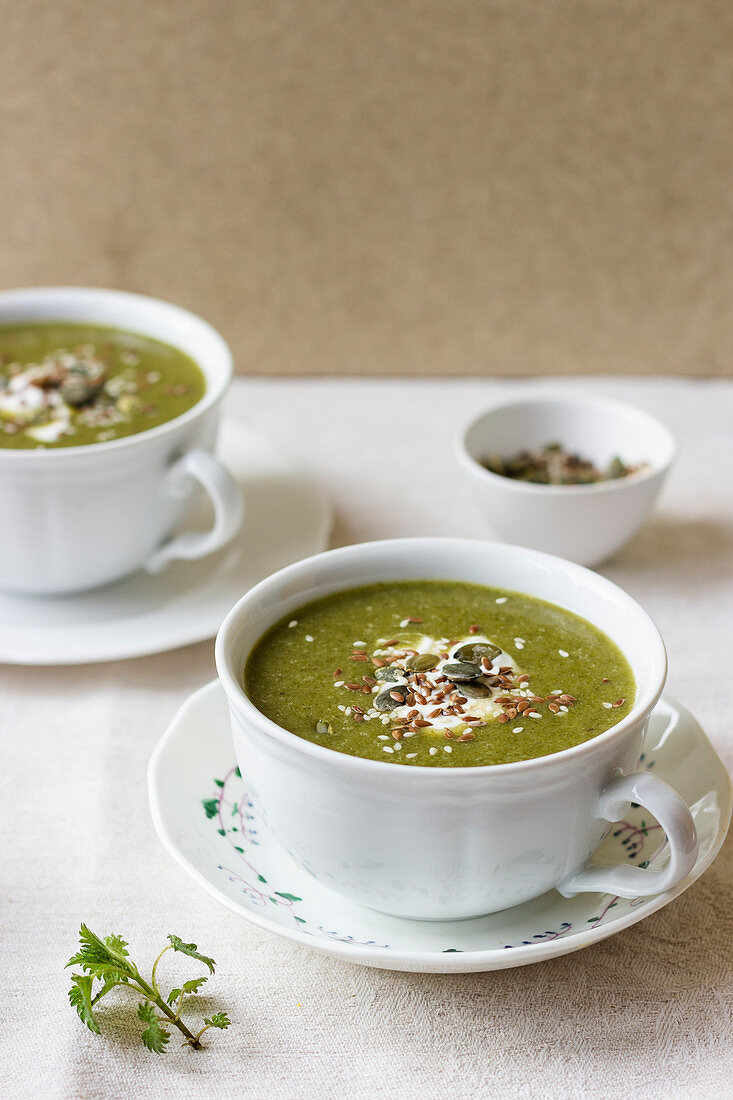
(646, 423)
(647, 694)
(63, 304)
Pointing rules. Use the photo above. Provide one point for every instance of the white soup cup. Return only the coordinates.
(75, 518)
(446, 842)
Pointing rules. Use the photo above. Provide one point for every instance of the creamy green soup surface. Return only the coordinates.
(67, 384)
(439, 673)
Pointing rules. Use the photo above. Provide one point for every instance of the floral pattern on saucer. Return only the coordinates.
(212, 829)
(231, 812)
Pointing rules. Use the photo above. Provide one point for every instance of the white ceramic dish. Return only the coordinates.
(438, 842)
(585, 523)
(75, 518)
(287, 517)
(206, 820)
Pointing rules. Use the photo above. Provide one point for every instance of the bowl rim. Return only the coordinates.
(642, 708)
(655, 470)
(123, 299)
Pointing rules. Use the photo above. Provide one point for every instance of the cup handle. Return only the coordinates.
(672, 814)
(225, 496)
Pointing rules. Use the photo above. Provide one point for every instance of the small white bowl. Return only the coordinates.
(585, 523)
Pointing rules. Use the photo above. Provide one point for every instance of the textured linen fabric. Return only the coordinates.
(645, 1013)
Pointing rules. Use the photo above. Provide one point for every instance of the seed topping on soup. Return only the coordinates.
(524, 679)
(67, 384)
(437, 685)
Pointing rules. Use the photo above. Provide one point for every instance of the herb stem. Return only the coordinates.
(203, 1029)
(155, 967)
(157, 1000)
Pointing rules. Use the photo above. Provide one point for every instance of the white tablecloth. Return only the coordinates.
(646, 1013)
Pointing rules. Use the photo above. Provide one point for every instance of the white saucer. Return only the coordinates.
(203, 816)
(287, 518)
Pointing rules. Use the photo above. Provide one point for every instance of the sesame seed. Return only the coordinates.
(292, 623)
(533, 714)
(517, 729)
(387, 748)
(563, 710)
(519, 645)
(447, 748)
(607, 705)
(410, 755)
(501, 599)
(563, 652)
(383, 736)
(433, 751)
(338, 683)
(347, 712)
(359, 644)
(309, 637)
(397, 746)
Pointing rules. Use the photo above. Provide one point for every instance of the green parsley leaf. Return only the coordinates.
(105, 959)
(192, 950)
(80, 996)
(116, 943)
(155, 1037)
(219, 1019)
(191, 986)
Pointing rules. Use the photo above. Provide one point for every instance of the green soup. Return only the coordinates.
(65, 385)
(439, 673)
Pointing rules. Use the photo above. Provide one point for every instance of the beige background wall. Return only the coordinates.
(402, 187)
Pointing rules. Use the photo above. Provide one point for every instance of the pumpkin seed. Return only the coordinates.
(476, 690)
(385, 701)
(460, 671)
(474, 651)
(323, 727)
(78, 388)
(389, 674)
(422, 662)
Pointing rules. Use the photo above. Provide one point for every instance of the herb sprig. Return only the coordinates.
(107, 963)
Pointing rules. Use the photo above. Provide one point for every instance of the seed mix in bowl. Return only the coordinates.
(439, 673)
(554, 465)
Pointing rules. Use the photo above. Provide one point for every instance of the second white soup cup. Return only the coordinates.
(78, 517)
